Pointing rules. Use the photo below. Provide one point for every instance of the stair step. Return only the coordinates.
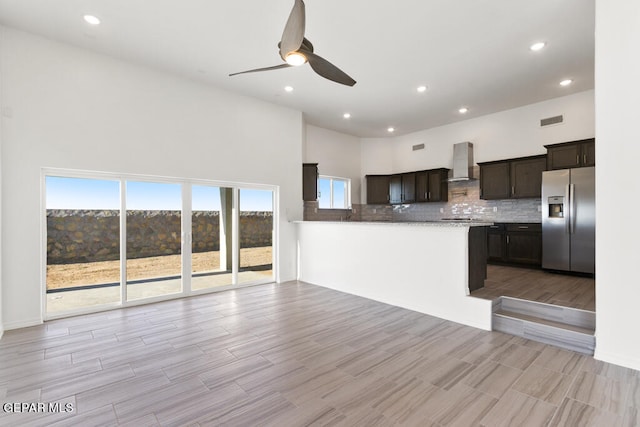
(563, 327)
(547, 322)
(567, 315)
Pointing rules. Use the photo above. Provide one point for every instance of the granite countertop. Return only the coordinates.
(442, 223)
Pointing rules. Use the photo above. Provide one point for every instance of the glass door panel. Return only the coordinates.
(256, 236)
(83, 243)
(211, 231)
(154, 215)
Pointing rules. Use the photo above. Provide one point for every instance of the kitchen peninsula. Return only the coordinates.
(421, 266)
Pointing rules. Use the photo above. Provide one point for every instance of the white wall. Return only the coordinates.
(416, 266)
(503, 135)
(617, 152)
(337, 154)
(75, 109)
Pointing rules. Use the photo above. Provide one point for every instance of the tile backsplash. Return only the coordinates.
(464, 202)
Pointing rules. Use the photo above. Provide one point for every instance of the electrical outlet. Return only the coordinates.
(539, 208)
(495, 209)
(375, 211)
(441, 210)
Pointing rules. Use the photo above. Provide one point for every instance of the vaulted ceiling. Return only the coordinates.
(471, 53)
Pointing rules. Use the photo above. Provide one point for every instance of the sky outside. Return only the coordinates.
(80, 193)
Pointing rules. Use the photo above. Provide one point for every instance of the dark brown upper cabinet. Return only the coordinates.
(402, 188)
(573, 154)
(378, 189)
(512, 178)
(526, 177)
(432, 185)
(494, 180)
(309, 182)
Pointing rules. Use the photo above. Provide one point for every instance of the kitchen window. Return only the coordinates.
(334, 192)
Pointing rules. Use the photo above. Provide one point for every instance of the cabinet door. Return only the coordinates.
(563, 157)
(309, 182)
(395, 189)
(589, 153)
(526, 177)
(438, 190)
(377, 189)
(494, 181)
(422, 186)
(496, 243)
(524, 244)
(408, 187)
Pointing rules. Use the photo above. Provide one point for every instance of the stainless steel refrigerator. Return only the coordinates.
(569, 220)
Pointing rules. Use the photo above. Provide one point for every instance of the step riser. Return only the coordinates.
(569, 340)
(567, 315)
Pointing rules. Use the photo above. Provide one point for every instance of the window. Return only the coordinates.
(334, 192)
(111, 240)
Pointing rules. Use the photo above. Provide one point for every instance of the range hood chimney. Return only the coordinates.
(462, 162)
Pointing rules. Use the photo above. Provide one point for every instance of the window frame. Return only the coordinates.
(347, 195)
(186, 184)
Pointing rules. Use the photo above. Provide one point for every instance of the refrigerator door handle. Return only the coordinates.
(572, 215)
(567, 209)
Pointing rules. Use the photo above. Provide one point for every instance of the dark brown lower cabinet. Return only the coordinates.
(477, 257)
(515, 243)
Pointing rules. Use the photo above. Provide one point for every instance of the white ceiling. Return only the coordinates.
(468, 52)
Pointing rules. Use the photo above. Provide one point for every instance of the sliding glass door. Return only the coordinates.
(154, 239)
(211, 241)
(120, 240)
(82, 243)
(255, 235)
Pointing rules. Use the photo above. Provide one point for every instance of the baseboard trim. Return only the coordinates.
(22, 324)
(617, 359)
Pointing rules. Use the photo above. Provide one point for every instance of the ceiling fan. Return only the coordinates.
(295, 50)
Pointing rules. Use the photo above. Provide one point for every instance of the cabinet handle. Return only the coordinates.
(429, 195)
(584, 159)
(426, 195)
(388, 198)
(507, 239)
(523, 226)
(513, 190)
(494, 226)
(577, 159)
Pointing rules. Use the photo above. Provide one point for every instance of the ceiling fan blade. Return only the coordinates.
(327, 70)
(293, 33)
(275, 67)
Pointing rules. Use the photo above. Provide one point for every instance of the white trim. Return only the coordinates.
(43, 245)
(123, 238)
(22, 324)
(235, 235)
(186, 237)
(617, 359)
(347, 192)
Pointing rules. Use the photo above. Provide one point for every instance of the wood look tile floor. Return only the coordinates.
(539, 285)
(296, 355)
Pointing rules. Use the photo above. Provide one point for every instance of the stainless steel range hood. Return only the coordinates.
(462, 162)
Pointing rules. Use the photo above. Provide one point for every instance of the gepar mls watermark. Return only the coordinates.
(37, 407)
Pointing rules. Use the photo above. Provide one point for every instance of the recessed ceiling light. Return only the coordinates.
(537, 46)
(288, 88)
(463, 110)
(346, 115)
(391, 129)
(90, 19)
(421, 89)
(566, 82)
